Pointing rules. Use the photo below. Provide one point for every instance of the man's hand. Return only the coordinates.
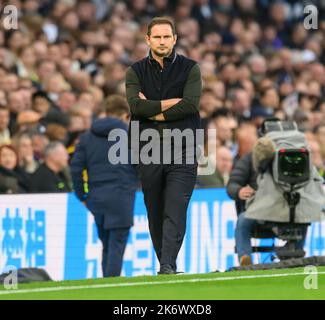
(142, 96)
(246, 192)
(169, 103)
(28, 158)
(158, 117)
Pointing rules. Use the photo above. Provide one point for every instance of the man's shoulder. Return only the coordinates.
(139, 63)
(247, 158)
(136, 68)
(244, 161)
(183, 59)
(43, 168)
(42, 175)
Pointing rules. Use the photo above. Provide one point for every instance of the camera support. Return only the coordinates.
(286, 233)
(292, 199)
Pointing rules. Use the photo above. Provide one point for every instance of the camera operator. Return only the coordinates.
(242, 185)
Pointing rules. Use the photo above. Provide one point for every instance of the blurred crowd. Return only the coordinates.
(67, 57)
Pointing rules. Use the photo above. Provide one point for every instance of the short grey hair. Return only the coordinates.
(51, 147)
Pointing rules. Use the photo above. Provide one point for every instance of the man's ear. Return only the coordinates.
(175, 38)
(147, 39)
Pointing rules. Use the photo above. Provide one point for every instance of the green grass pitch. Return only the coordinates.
(271, 284)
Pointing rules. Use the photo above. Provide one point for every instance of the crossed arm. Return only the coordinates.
(165, 105)
(169, 109)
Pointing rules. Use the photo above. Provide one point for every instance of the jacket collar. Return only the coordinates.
(167, 60)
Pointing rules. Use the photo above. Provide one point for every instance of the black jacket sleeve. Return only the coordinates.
(139, 107)
(240, 176)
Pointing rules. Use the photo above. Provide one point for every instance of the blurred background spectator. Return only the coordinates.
(220, 177)
(52, 176)
(12, 177)
(67, 56)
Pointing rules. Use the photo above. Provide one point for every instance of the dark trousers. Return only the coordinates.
(167, 191)
(114, 243)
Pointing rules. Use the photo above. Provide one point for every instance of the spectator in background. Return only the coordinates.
(57, 131)
(85, 113)
(24, 147)
(258, 67)
(269, 99)
(76, 122)
(241, 103)
(259, 114)
(39, 143)
(41, 103)
(27, 120)
(12, 178)
(111, 186)
(223, 165)
(246, 137)
(16, 105)
(54, 85)
(207, 103)
(10, 82)
(4, 125)
(225, 134)
(51, 175)
(44, 68)
(26, 63)
(320, 136)
(3, 98)
(316, 157)
(66, 100)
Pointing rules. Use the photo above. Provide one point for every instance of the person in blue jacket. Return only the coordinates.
(111, 187)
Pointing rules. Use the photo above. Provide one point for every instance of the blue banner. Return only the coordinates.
(57, 233)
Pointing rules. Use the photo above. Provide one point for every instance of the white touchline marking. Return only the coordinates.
(134, 284)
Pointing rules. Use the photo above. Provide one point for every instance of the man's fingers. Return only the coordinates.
(247, 194)
(142, 96)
